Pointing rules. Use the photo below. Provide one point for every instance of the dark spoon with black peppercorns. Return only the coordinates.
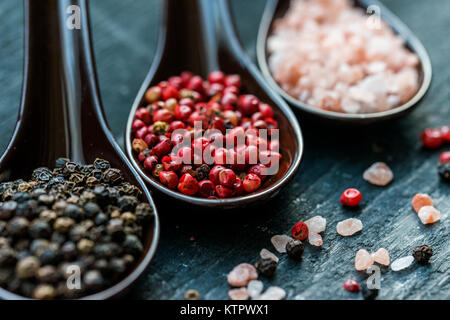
(198, 36)
(85, 212)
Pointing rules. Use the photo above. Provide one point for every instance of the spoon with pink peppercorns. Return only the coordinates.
(205, 128)
(345, 61)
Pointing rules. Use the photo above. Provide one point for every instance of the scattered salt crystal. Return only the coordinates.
(363, 260)
(378, 174)
(349, 227)
(279, 242)
(429, 214)
(316, 224)
(381, 256)
(272, 293)
(421, 200)
(266, 254)
(241, 275)
(402, 263)
(315, 239)
(254, 288)
(238, 294)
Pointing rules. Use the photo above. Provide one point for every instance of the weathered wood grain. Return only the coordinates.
(124, 35)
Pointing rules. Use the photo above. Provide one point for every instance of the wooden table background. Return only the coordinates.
(125, 32)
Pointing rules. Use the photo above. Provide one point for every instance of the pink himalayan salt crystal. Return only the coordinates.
(381, 256)
(429, 214)
(280, 241)
(315, 239)
(421, 200)
(254, 288)
(378, 174)
(241, 275)
(266, 254)
(316, 224)
(328, 55)
(402, 263)
(238, 294)
(363, 260)
(272, 293)
(349, 227)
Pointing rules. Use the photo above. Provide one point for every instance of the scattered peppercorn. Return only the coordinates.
(351, 285)
(294, 249)
(422, 254)
(369, 294)
(192, 294)
(267, 267)
(444, 171)
(351, 197)
(300, 231)
(73, 215)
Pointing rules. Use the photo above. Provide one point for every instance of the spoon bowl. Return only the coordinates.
(61, 114)
(198, 36)
(277, 9)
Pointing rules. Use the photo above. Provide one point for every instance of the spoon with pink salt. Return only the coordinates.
(276, 9)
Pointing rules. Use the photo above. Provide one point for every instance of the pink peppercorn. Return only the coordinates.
(188, 184)
(351, 197)
(300, 231)
(169, 178)
(206, 188)
(351, 285)
(444, 157)
(431, 138)
(251, 182)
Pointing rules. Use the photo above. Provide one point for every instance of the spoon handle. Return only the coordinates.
(60, 114)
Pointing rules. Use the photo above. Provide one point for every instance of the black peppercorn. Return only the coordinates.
(115, 229)
(266, 266)
(48, 256)
(368, 294)
(68, 251)
(18, 226)
(444, 171)
(202, 172)
(101, 164)
(93, 279)
(91, 209)
(73, 211)
(7, 209)
(61, 162)
(422, 254)
(41, 174)
(132, 245)
(39, 229)
(295, 248)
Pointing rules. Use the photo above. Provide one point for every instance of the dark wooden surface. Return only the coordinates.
(124, 40)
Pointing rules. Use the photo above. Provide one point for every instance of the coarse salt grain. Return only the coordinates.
(421, 200)
(266, 254)
(402, 263)
(363, 260)
(316, 224)
(378, 174)
(325, 54)
(315, 239)
(381, 256)
(429, 214)
(279, 242)
(238, 294)
(254, 288)
(272, 293)
(349, 227)
(241, 275)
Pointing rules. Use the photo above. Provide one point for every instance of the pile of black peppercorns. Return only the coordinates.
(76, 217)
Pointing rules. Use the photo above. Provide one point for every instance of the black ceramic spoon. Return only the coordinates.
(61, 113)
(198, 36)
(277, 9)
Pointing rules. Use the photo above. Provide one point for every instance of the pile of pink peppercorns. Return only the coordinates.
(186, 117)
